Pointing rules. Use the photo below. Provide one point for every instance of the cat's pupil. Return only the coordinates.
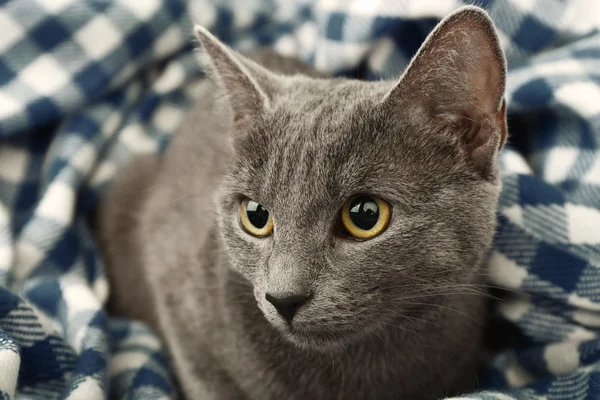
(364, 212)
(257, 214)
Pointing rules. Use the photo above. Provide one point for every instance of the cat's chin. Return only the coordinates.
(321, 341)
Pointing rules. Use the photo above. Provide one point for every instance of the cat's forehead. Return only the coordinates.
(319, 111)
(325, 141)
(323, 122)
(317, 145)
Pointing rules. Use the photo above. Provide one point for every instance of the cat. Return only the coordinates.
(309, 237)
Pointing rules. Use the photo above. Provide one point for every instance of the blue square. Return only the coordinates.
(223, 23)
(586, 52)
(6, 74)
(101, 6)
(91, 362)
(265, 35)
(55, 168)
(407, 34)
(49, 34)
(39, 143)
(485, 4)
(533, 35)
(25, 200)
(85, 126)
(116, 97)
(139, 41)
(335, 26)
(534, 191)
(92, 80)
(148, 106)
(100, 320)
(147, 377)
(8, 302)
(570, 185)
(588, 139)
(558, 266)
(46, 295)
(386, 26)
(39, 363)
(305, 12)
(87, 200)
(176, 8)
(536, 92)
(42, 111)
(67, 249)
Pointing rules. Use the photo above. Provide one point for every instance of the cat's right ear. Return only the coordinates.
(244, 83)
(456, 81)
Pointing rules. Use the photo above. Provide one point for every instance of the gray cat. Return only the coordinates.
(306, 237)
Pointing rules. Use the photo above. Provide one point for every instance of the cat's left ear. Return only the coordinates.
(456, 83)
(245, 83)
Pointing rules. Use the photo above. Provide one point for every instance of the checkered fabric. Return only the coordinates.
(86, 84)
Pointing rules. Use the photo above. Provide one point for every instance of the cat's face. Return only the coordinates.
(428, 177)
(303, 165)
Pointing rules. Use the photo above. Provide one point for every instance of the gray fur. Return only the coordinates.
(396, 317)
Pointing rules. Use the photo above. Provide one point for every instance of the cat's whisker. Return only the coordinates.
(419, 320)
(381, 337)
(385, 346)
(481, 289)
(151, 187)
(435, 288)
(180, 106)
(183, 197)
(442, 294)
(405, 329)
(342, 370)
(441, 307)
(332, 361)
(481, 285)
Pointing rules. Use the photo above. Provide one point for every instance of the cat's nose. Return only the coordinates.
(287, 306)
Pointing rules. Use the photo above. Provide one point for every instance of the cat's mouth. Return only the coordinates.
(311, 332)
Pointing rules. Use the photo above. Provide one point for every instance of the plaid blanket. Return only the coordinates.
(86, 84)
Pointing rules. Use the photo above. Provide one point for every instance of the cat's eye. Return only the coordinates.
(364, 216)
(255, 219)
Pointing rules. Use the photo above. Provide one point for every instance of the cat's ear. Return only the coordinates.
(457, 79)
(244, 82)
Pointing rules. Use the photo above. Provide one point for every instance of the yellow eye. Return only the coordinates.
(255, 219)
(365, 217)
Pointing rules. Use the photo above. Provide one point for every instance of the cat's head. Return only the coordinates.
(344, 199)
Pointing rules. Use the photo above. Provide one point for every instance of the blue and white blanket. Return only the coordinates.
(86, 84)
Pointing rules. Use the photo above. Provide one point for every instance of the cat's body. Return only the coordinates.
(396, 317)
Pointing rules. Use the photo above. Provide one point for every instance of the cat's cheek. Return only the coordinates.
(248, 255)
(263, 306)
(348, 252)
